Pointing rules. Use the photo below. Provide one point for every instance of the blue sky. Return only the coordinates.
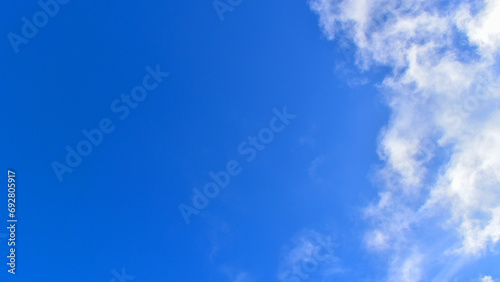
(321, 201)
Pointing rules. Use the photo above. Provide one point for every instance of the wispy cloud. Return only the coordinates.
(312, 171)
(244, 277)
(441, 146)
(311, 257)
(235, 274)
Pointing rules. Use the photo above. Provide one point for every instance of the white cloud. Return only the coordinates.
(482, 29)
(487, 279)
(441, 146)
(312, 171)
(312, 254)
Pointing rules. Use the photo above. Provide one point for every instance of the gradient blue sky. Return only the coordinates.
(119, 207)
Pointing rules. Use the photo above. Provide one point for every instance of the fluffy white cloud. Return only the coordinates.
(487, 279)
(441, 146)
